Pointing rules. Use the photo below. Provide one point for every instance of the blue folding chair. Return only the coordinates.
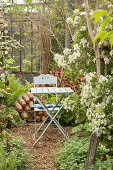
(46, 79)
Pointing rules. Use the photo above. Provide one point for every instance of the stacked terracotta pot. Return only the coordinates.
(23, 107)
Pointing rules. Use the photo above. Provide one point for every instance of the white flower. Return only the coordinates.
(76, 20)
(94, 60)
(6, 11)
(73, 57)
(69, 20)
(91, 12)
(67, 51)
(102, 79)
(109, 137)
(76, 11)
(111, 53)
(83, 42)
(5, 31)
(83, 4)
(83, 28)
(76, 47)
(74, 37)
(83, 13)
(112, 71)
(106, 60)
(6, 52)
(60, 60)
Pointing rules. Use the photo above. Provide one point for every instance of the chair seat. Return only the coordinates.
(36, 109)
(39, 107)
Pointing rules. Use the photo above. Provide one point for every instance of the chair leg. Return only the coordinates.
(40, 126)
(59, 127)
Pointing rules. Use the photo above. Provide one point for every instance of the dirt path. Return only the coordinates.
(42, 152)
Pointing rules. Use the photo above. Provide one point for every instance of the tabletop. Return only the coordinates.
(51, 90)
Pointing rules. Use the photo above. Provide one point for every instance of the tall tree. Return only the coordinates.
(92, 35)
(67, 31)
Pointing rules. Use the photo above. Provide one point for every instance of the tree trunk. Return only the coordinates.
(95, 45)
(98, 65)
(78, 3)
(67, 38)
(67, 32)
(45, 44)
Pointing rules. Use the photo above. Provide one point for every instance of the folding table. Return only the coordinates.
(50, 108)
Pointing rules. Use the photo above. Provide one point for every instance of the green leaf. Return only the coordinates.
(77, 128)
(106, 35)
(97, 13)
(104, 23)
(86, 133)
(111, 39)
(100, 35)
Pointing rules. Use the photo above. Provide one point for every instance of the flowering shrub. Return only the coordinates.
(97, 96)
(74, 112)
(81, 58)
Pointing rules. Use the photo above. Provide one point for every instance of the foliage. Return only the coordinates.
(72, 153)
(15, 90)
(81, 58)
(12, 153)
(9, 117)
(103, 34)
(102, 165)
(73, 112)
(97, 97)
(26, 65)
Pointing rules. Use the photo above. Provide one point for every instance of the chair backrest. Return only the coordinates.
(45, 79)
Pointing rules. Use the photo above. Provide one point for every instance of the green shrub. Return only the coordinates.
(15, 90)
(102, 165)
(73, 112)
(72, 154)
(12, 153)
(9, 117)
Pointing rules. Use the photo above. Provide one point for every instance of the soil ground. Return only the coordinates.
(42, 153)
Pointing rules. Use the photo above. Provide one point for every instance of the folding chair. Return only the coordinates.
(46, 79)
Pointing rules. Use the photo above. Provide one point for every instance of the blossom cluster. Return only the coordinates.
(97, 97)
(60, 60)
(68, 57)
(68, 104)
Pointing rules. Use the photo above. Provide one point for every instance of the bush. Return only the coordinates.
(73, 112)
(9, 117)
(12, 153)
(15, 90)
(102, 165)
(96, 97)
(72, 154)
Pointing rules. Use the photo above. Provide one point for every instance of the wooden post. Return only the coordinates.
(112, 167)
(92, 150)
